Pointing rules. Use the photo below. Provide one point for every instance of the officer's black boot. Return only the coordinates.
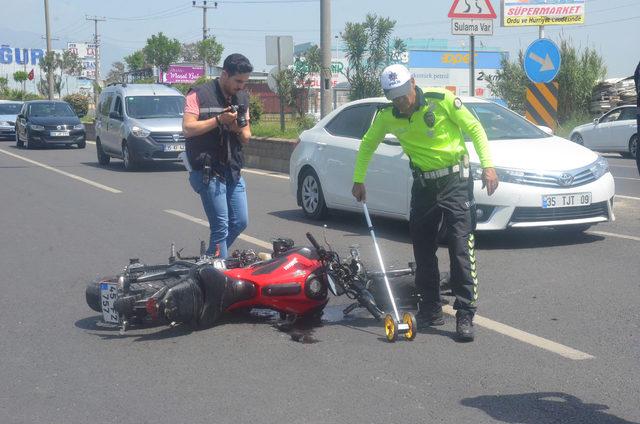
(429, 315)
(464, 327)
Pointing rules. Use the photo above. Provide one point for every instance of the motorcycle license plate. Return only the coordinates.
(566, 200)
(59, 133)
(108, 296)
(174, 147)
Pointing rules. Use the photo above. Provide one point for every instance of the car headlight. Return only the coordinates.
(78, 127)
(140, 132)
(505, 175)
(36, 127)
(599, 167)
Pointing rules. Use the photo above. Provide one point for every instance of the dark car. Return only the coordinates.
(8, 112)
(48, 123)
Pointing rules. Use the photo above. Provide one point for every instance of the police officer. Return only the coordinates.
(214, 138)
(429, 126)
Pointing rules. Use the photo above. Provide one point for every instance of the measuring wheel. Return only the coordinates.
(410, 320)
(390, 328)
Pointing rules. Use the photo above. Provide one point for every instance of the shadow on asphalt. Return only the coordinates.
(353, 224)
(118, 166)
(543, 408)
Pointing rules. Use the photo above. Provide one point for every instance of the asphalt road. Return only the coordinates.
(558, 332)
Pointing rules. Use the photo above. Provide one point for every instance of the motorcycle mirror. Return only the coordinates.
(324, 234)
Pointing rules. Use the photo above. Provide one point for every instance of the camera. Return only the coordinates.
(242, 112)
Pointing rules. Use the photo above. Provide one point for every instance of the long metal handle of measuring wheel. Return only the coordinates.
(384, 274)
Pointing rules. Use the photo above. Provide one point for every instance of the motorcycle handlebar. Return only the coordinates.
(314, 242)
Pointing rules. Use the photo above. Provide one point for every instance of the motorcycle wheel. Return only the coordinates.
(390, 328)
(92, 293)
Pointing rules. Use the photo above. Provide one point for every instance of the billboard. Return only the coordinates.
(87, 54)
(450, 69)
(542, 12)
(181, 74)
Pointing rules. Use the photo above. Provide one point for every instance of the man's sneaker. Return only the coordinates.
(464, 327)
(430, 316)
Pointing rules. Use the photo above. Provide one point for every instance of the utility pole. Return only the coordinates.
(325, 48)
(204, 8)
(96, 41)
(48, 32)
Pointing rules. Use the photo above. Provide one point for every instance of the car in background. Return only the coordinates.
(139, 123)
(545, 181)
(44, 123)
(614, 132)
(9, 111)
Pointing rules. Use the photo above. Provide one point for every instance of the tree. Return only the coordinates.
(368, 52)
(20, 77)
(136, 61)
(79, 103)
(189, 53)
(210, 51)
(4, 86)
(49, 63)
(294, 83)
(578, 75)
(70, 65)
(116, 73)
(160, 51)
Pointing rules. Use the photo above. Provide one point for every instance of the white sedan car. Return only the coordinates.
(545, 181)
(616, 131)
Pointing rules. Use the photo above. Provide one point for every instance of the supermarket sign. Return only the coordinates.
(542, 12)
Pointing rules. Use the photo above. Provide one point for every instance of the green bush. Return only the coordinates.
(577, 118)
(79, 103)
(305, 122)
(256, 109)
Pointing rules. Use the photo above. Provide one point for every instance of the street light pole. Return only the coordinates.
(325, 51)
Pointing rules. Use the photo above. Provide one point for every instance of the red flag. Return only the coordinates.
(31, 75)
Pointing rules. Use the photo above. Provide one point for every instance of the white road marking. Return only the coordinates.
(525, 337)
(66, 174)
(266, 173)
(244, 237)
(627, 197)
(622, 236)
(626, 178)
(504, 329)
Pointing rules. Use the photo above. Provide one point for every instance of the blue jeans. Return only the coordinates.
(225, 204)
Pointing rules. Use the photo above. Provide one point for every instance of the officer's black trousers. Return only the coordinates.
(448, 200)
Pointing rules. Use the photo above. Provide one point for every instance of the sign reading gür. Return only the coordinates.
(20, 56)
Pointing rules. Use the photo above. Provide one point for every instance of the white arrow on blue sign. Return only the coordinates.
(542, 61)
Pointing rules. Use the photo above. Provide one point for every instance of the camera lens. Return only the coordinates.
(242, 118)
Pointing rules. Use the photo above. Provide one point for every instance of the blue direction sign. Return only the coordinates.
(542, 61)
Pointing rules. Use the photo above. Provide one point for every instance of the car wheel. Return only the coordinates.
(577, 138)
(311, 196)
(30, 144)
(82, 145)
(127, 158)
(103, 158)
(19, 143)
(633, 146)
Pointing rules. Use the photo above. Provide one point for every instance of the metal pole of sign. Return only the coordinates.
(541, 32)
(472, 66)
(280, 90)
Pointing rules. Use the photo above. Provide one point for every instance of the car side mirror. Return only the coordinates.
(115, 115)
(391, 140)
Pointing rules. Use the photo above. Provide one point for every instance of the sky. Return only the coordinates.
(612, 27)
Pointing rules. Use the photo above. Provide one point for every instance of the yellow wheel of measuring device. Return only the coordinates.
(410, 320)
(390, 328)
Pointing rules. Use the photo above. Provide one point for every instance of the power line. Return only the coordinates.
(167, 13)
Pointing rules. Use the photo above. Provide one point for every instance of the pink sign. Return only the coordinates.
(182, 74)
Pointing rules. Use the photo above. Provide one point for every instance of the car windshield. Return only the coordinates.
(502, 124)
(145, 107)
(51, 109)
(10, 108)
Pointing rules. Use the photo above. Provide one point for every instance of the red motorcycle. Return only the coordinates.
(295, 282)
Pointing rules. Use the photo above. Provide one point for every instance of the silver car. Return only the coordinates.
(9, 111)
(614, 132)
(139, 123)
